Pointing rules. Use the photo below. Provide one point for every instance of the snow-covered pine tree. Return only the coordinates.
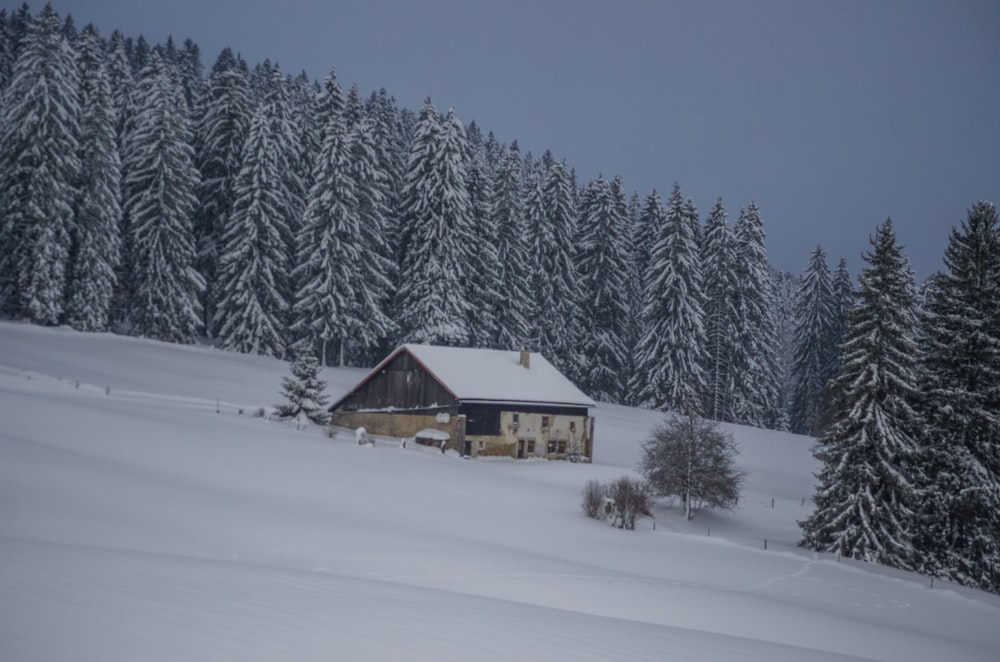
(303, 391)
(221, 130)
(561, 316)
(191, 72)
(96, 239)
(601, 259)
(868, 483)
(670, 354)
(159, 200)
(784, 289)
(719, 285)
(645, 228)
(814, 357)
(485, 284)
(330, 243)
(961, 371)
(754, 366)
(432, 298)
(843, 301)
(507, 210)
(284, 135)
(252, 307)
(39, 170)
(374, 294)
(122, 87)
(7, 56)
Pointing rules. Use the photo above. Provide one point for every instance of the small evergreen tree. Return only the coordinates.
(303, 391)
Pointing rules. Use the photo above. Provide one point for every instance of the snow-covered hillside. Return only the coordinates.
(138, 522)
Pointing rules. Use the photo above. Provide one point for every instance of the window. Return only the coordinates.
(516, 418)
(572, 426)
(482, 444)
(531, 447)
(545, 421)
(561, 446)
(551, 446)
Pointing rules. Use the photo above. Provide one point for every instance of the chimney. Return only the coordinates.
(525, 358)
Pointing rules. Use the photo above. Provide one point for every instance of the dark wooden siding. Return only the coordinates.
(402, 384)
(484, 419)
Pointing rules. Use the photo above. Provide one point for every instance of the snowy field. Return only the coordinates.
(143, 518)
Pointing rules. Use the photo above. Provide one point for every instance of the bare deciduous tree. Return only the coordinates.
(689, 458)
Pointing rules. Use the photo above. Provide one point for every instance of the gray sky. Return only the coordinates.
(832, 115)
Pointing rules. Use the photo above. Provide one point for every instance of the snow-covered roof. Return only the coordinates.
(493, 375)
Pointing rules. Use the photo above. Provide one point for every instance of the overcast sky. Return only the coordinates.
(831, 114)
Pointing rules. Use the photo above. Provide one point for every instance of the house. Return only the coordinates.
(488, 402)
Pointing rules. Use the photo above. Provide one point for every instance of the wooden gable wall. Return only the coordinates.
(402, 384)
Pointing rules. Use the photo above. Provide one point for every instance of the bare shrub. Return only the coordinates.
(631, 500)
(593, 499)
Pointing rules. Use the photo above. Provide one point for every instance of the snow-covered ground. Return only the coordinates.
(137, 522)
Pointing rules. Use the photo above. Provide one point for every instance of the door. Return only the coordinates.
(520, 449)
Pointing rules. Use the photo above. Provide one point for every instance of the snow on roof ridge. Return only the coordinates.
(480, 374)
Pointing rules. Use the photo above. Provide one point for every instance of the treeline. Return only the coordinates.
(276, 215)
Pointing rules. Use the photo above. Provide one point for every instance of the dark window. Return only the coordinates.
(531, 447)
(561, 446)
(545, 421)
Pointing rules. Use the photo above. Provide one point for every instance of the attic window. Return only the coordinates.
(545, 421)
(517, 418)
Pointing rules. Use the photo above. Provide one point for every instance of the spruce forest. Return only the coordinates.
(270, 214)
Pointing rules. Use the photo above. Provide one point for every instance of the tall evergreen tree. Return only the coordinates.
(961, 372)
(285, 136)
(560, 317)
(375, 264)
(251, 308)
(39, 170)
(754, 367)
(868, 481)
(508, 219)
(720, 285)
(485, 282)
(96, 239)
(670, 354)
(219, 136)
(601, 259)
(814, 353)
(432, 300)
(328, 276)
(160, 201)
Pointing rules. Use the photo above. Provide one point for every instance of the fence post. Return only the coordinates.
(765, 543)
